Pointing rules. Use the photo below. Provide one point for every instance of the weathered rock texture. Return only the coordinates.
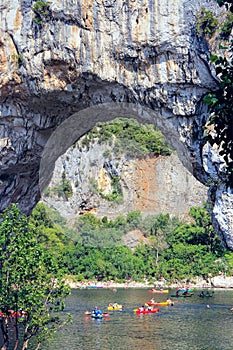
(82, 63)
(154, 185)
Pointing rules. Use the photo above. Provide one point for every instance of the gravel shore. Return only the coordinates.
(216, 282)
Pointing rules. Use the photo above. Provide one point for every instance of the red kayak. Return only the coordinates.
(153, 311)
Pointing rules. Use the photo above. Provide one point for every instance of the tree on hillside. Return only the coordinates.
(204, 232)
(162, 226)
(221, 101)
(32, 289)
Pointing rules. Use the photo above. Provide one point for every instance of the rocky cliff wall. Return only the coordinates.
(154, 185)
(89, 61)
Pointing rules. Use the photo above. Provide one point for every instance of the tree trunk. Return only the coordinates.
(16, 345)
(25, 345)
(16, 332)
(5, 334)
(157, 257)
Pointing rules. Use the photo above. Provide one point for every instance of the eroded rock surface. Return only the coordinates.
(90, 61)
(155, 185)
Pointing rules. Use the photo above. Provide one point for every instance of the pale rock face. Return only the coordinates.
(90, 61)
(154, 185)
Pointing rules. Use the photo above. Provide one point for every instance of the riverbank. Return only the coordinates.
(222, 282)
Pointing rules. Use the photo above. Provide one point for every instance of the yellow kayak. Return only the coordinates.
(118, 307)
(162, 303)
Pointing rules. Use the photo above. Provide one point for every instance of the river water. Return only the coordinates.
(189, 324)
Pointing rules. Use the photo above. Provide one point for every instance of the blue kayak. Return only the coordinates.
(98, 316)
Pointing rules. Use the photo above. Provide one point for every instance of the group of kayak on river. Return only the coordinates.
(151, 305)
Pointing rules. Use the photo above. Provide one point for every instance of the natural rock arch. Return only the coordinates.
(80, 123)
(141, 57)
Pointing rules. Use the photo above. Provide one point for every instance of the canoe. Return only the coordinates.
(158, 291)
(118, 307)
(143, 312)
(162, 303)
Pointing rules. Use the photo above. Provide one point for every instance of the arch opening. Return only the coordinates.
(77, 125)
(110, 176)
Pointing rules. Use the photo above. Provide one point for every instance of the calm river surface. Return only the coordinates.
(189, 324)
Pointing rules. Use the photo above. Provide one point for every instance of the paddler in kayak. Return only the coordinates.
(97, 311)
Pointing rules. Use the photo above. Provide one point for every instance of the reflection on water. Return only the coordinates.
(189, 324)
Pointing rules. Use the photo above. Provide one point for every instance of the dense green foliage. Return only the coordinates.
(130, 137)
(31, 278)
(175, 250)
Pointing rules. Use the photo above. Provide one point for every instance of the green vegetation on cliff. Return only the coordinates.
(128, 136)
(220, 124)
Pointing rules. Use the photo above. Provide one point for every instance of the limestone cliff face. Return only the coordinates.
(154, 185)
(91, 61)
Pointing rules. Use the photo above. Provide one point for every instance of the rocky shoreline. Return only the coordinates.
(217, 282)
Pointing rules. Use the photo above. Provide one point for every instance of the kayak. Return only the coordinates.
(89, 313)
(206, 295)
(143, 312)
(182, 295)
(158, 291)
(93, 315)
(162, 303)
(118, 307)
(189, 290)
